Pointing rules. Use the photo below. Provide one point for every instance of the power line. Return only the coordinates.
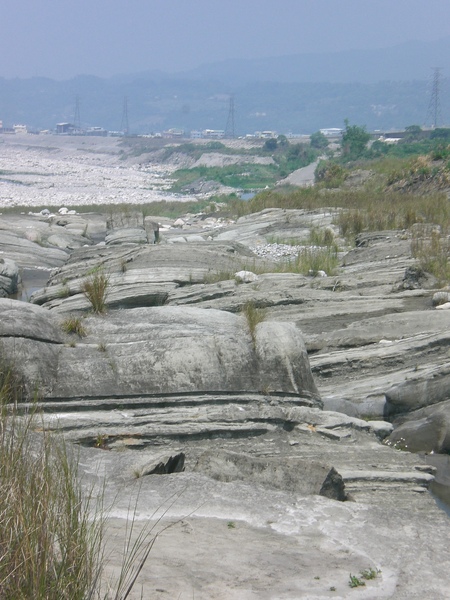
(434, 107)
(124, 126)
(77, 118)
(229, 129)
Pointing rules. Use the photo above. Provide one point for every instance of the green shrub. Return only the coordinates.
(330, 173)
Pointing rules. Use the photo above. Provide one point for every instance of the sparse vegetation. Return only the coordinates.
(355, 581)
(216, 276)
(101, 441)
(253, 315)
(95, 289)
(321, 237)
(244, 176)
(51, 531)
(365, 575)
(370, 573)
(433, 252)
(312, 260)
(50, 548)
(64, 291)
(74, 325)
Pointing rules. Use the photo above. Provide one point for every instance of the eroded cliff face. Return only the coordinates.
(174, 368)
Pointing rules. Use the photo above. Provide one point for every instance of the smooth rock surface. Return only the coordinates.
(191, 377)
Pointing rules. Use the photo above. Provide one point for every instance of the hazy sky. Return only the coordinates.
(64, 38)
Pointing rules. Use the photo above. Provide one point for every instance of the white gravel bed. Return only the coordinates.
(49, 176)
(278, 251)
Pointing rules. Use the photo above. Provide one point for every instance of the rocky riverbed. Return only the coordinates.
(280, 449)
(77, 171)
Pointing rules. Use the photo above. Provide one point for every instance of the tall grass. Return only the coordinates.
(312, 260)
(433, 253)
(394, 211)
(49, 547)
(51, 532)
(371, 208)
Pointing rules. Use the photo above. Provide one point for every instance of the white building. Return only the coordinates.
(20, 129)
(332, 132)
(213, 133)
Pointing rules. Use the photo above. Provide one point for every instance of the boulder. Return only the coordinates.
(428, 385)
(423, 430)
(126, 235)
(152, 229)
(245, 277)
(440, 297)
(9, 277)
(161, 350)
(303, 477)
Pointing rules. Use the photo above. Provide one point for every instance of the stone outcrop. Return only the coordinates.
(153, 354)
(173, 369)
(9, 277)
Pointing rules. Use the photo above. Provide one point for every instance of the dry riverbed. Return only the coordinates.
(69, 171)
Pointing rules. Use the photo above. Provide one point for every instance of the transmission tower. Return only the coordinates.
(434, 108)
(229, 129)
(76, 117)
(124, 127)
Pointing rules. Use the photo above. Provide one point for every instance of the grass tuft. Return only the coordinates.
(95, 289)
(74, 325)
(217, 276)
(253, 316)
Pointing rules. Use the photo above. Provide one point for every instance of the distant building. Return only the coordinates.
(173, 133)
(389, 140)
(267, 135)
(297, 136)
(64, 128)
(213, 133)
(332, 132)
(196, 135)
(20, 129)
(99, 131)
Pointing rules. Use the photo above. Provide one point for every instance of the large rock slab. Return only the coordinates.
(297, 475)
(428, 385)
(161, 350)
(228, 502)
(140, 275)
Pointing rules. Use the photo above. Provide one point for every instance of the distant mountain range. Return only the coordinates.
(402, 62)
(382, 89)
